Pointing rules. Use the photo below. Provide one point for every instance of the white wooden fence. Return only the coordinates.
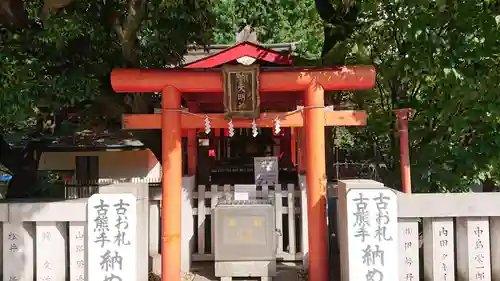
(288, 202)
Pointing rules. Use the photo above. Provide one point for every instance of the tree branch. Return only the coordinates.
(12, 13)
(50, 6)
(382, 92)
(118, 29)
(339, 23)
(129, 29)
(139, 103)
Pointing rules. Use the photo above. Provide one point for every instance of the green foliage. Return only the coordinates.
(65, 57)
(276, 21)
(55, 66)
(439, 57)
(442, 60)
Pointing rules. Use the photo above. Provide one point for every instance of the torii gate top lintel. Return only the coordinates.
(272, 79)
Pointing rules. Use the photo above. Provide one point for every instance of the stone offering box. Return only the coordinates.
(245, 239)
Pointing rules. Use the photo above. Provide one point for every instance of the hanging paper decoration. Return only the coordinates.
(255, 132)
(208, 126)
(277, 125)
(230, 127)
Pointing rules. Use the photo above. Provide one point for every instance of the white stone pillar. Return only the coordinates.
(18, 258)
(78, 250)
(368, 231)
(51, 262)
(141, 193)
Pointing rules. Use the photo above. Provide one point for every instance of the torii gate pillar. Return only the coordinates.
(314, 122)
(171, 135)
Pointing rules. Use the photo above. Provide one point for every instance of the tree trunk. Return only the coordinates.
(13, 14)
(23, 164)
(339, 25)
(137, 102)
(489, 185)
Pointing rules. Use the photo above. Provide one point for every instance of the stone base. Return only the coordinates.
(229, 278)
(155, 268)
(245, 269)
(155, 264)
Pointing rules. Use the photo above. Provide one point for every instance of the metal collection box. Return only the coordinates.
(245, 238)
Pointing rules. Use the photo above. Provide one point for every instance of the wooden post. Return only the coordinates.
(285, 145)
(171, 211)
(404, 148)
(301, 150)
(316, 181)
(293, 146)
(192, 150)
(192, 146)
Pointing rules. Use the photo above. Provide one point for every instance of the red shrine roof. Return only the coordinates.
(264, 53)
(217, 55)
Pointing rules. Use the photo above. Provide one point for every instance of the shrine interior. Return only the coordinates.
(230, 160)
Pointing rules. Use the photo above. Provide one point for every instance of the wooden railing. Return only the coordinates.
(288, 204)
(74, 189)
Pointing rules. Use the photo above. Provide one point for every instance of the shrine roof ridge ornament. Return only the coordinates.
(272, 79)
(278, 47)
(239, 50)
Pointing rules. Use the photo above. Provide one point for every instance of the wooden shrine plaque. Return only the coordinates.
(241, 91)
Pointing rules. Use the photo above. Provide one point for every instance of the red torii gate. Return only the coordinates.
(312, 82)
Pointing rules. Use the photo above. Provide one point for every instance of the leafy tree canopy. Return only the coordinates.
(64, 53)
(440, 58)
(276, 21)
(57, 54)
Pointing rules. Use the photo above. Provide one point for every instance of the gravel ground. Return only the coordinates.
(202, 271)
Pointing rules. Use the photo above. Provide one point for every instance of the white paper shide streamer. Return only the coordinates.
(230, 127)
(208, 126)
(255, 131)
(277, 125)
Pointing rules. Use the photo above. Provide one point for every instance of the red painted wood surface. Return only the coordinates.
(336, 78)
(295, 119)
(242, 49)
